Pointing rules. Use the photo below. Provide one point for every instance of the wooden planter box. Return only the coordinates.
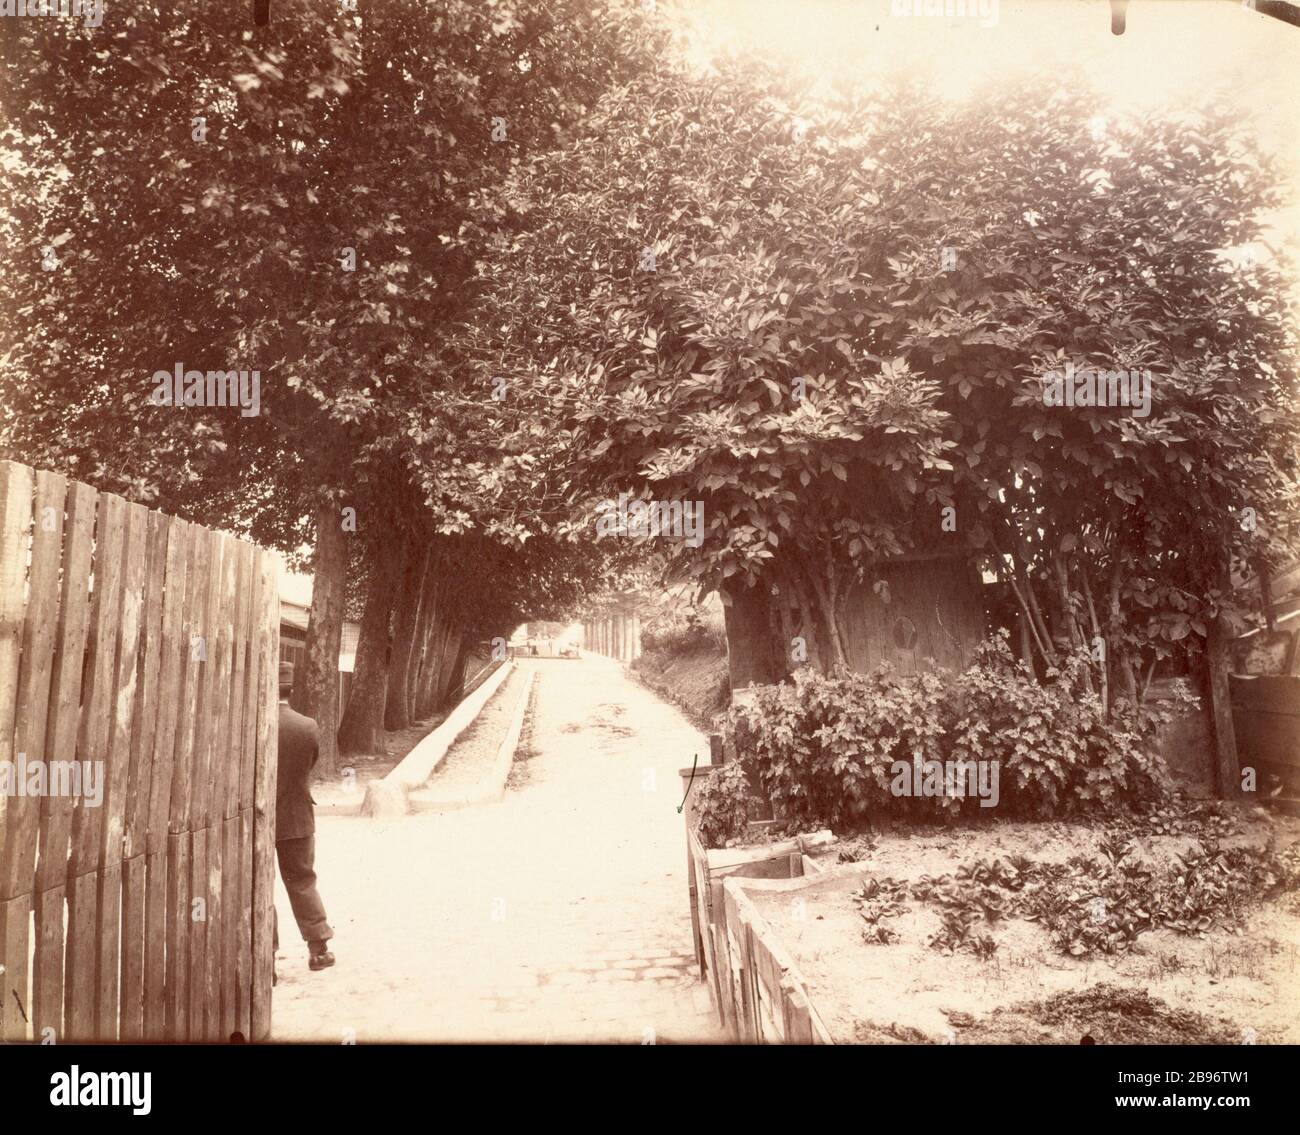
(706, 870)
(766, 995)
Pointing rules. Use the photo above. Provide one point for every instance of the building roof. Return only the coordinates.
(295, 616)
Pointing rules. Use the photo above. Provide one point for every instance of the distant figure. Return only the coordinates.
(295, 826)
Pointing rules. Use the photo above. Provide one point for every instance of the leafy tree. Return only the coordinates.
(308, 200)
(830, 320)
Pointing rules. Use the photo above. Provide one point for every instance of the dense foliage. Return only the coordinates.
(830, 319)
(309, 200)
(824, 748)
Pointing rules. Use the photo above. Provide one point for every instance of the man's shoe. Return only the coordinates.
(319, 956)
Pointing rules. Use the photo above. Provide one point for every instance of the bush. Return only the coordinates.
(824, 747)
(722, 805)
(676, 634)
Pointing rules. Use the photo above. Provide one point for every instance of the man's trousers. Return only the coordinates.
(298, 870)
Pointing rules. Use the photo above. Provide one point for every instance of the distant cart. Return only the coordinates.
(543, 648)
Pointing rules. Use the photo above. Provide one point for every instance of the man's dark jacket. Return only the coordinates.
(294, 817)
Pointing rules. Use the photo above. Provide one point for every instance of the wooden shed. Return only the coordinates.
(929, 614)
(933, 619)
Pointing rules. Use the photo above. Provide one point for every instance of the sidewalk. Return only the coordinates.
(559, 914)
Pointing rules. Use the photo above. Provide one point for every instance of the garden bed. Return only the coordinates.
(801, 940)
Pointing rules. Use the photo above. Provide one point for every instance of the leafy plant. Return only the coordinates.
(956, 931)
(824, 747)
(722, 805)
(1101, 904)
(880, 898)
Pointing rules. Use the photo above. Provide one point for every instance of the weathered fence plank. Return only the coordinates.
(139, 784)
(179, 838)
(247, 770)
(203, 647)
(264, 798)
(57, 811)
(116, 775)
(16, 487)
(232, 900)
(218, 766)
(84, 859)
(157, 836)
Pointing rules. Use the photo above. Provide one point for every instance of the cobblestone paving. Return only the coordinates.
(557, 915)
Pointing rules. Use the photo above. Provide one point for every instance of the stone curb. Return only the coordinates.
(492, 787)
(391, 795)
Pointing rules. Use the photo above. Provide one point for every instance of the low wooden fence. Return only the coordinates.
(144, 647)
(707, 873)
(766, 997)
(732, 961)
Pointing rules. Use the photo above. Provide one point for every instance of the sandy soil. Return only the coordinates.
(1168, 987)
(696, 682)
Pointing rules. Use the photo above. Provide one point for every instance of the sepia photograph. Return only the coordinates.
(730, 523)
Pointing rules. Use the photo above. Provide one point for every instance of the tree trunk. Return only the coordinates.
(1120, 657)
(420, 648)
(1067, 613)
(816, 617)
(822, 609)
(362, 727)
(1026, 643)
(1227, 768)
(456, 671)
(1227, 763)
(447, 666)
(428, 692)
(749, 639)
(316, 685)
(1104, 663)
(398, 713)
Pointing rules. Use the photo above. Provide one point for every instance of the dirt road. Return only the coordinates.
(557, 915)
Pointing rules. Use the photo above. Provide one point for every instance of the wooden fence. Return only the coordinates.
(149, 644)
(766, 995)
(616, 635)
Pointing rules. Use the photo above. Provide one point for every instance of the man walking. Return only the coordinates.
(295, 826)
